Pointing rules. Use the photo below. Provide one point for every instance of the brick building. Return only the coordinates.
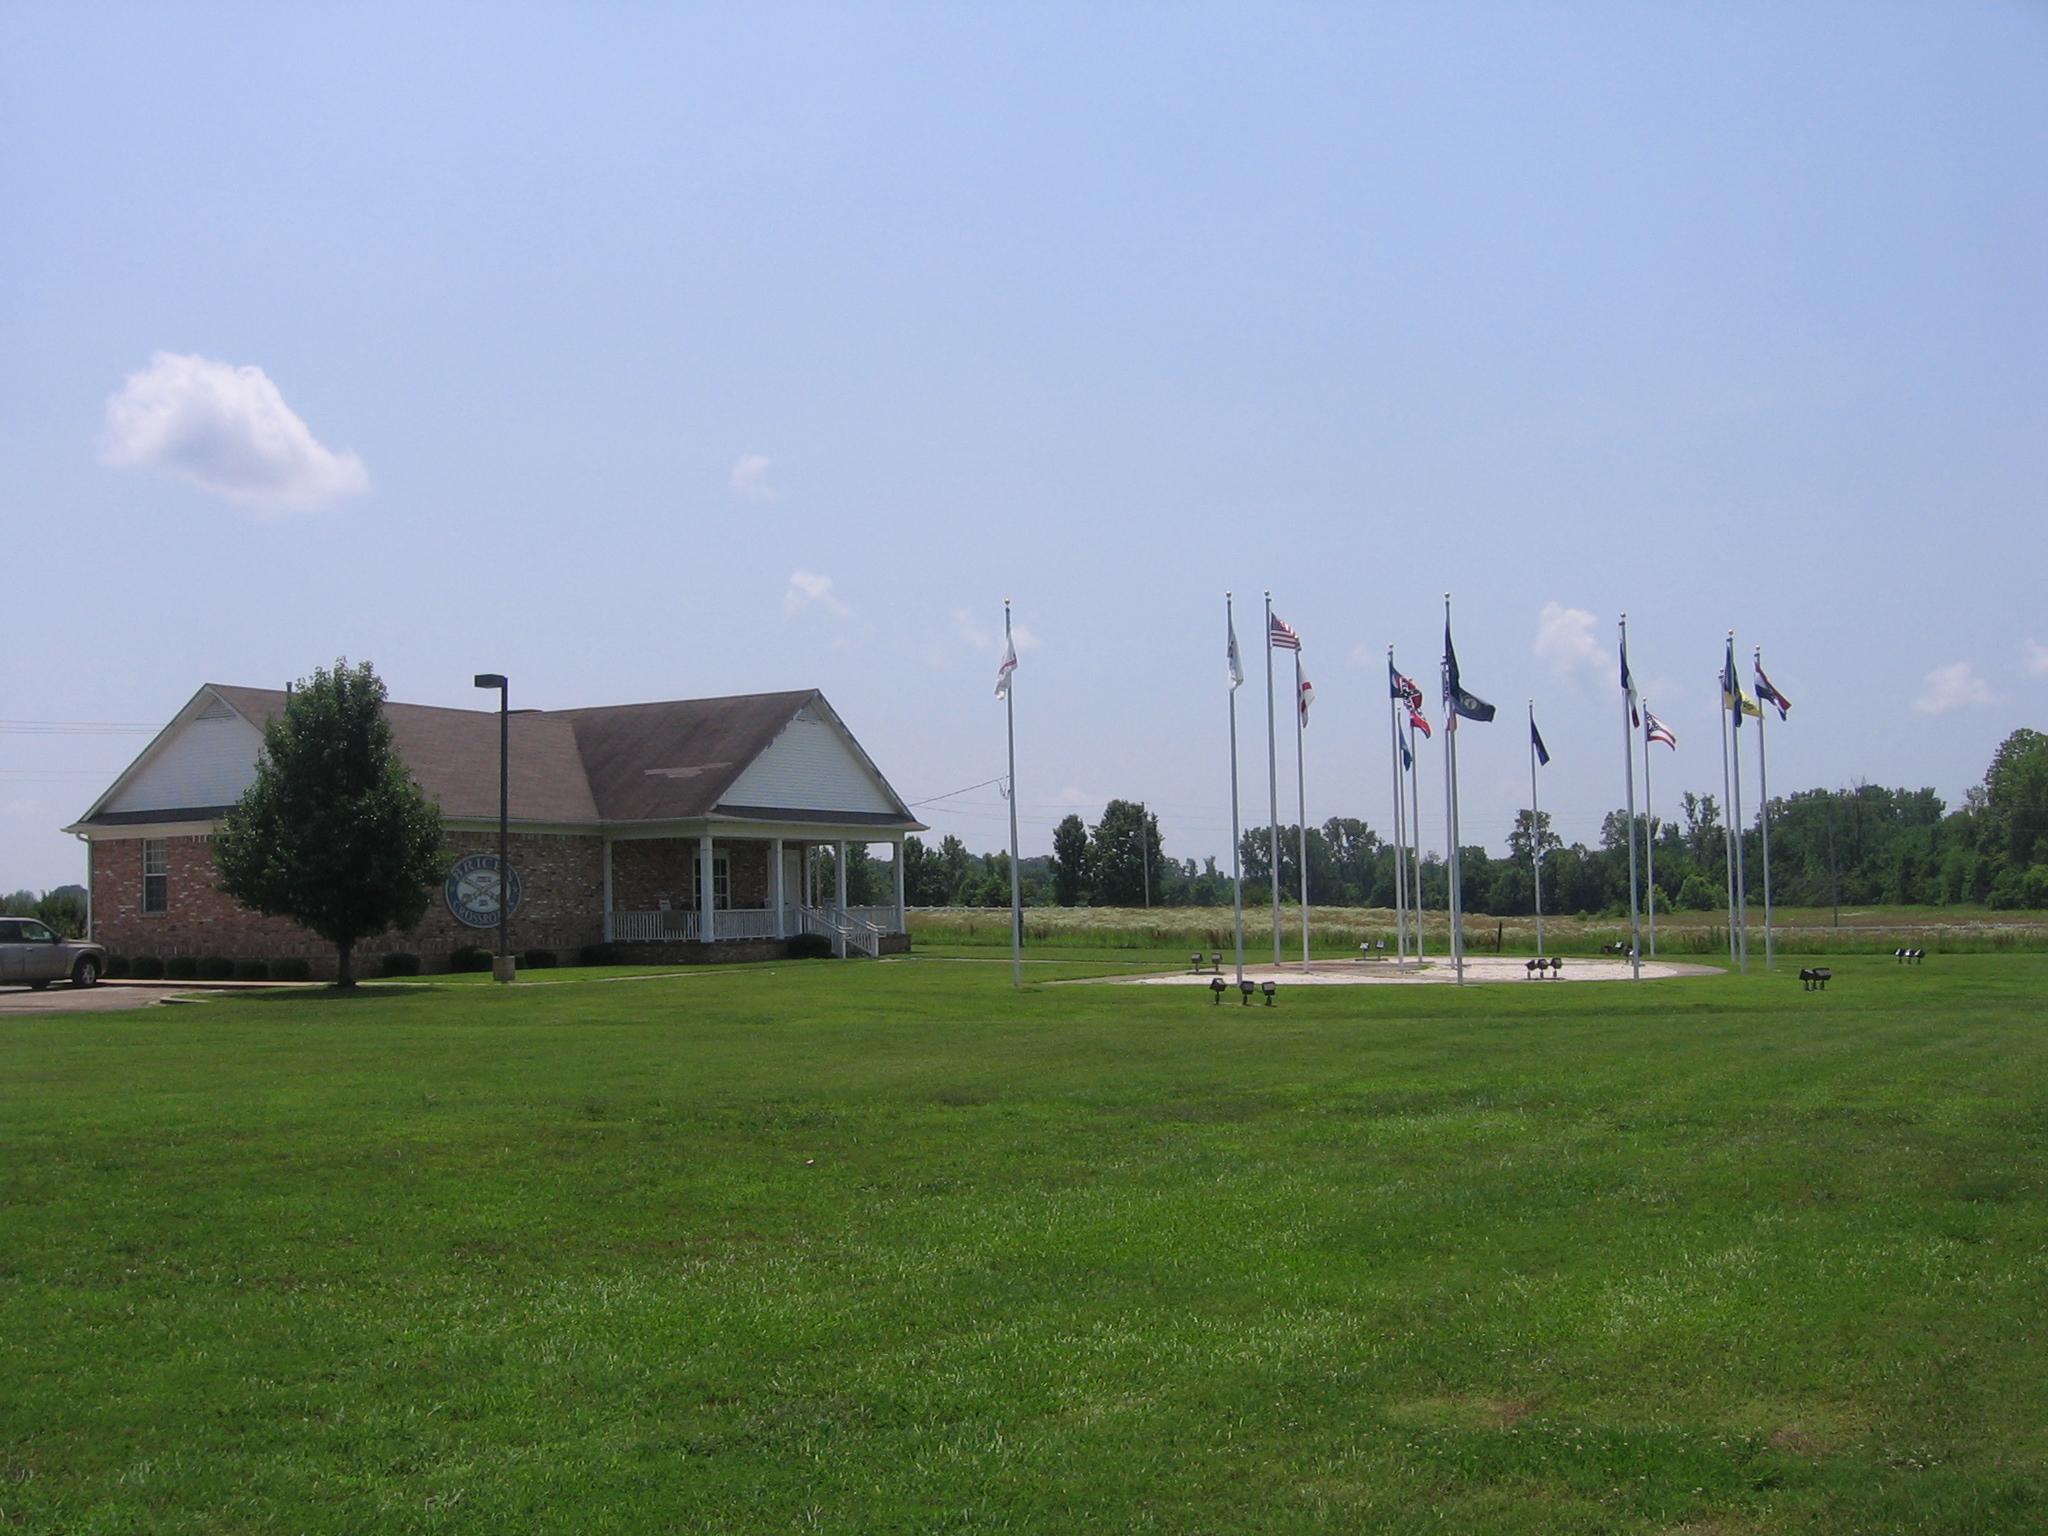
(685, 830)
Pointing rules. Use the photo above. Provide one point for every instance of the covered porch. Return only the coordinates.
(733, 887)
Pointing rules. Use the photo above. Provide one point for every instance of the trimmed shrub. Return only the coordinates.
(181, 968)
(146, 968)
(810, 946)
(291, 968)
(469, 958)
(540, 959)
(600, 954)
(401, 965)
(216, 968)
(117, 966)
(252, 970)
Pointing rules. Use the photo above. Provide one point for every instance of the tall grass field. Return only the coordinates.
(888, 1247)
(1340, 930)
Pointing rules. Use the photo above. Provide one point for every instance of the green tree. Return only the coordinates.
(2016, 796)
(1118, 851)
(333, 834)
(1069, 860)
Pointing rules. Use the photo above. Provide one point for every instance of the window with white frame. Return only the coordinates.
(721, 883)
(156, 875)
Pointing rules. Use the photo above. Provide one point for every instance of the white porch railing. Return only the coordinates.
(861, 928)
(650, 927)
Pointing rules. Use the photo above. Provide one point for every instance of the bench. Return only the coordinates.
(1815, 978)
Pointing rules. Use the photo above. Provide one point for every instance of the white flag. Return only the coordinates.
(1236, 662)
(1008, 666)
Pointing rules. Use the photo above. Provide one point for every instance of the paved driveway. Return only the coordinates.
(64, 998)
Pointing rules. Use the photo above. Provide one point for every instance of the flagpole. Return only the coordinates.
(1301, 804)
(1650, 843)
(1415, 838)
(1735, 772)
(1456, 902)
(1272, 784)
(1016, 887)
(1400, 868)
(1727, 800)
(1628, 763)
(1236, 870)
(1535, 832)
(1763, 817)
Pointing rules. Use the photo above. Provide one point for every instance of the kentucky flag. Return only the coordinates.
(1536, 741)
(1470, 705)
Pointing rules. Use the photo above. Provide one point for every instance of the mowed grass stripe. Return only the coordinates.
(888, 1247)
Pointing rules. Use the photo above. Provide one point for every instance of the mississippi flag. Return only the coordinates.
(1006, 667)
(1419, 720)
(1770, 695)
(1403, 688)
(1281, 636)
(1656, 730)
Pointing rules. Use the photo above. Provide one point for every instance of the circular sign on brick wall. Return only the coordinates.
(472, 890)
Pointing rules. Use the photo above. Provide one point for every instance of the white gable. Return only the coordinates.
(811, 766)
(207, 761)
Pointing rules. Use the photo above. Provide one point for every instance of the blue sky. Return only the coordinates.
(668, 352)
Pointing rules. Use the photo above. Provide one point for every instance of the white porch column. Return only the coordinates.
(775, 888)
(706, 923)
(902, 923)
(607, 890)
(839, 888)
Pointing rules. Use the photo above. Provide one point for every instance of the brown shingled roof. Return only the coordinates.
(453, 753)
(663, 762)
(668, 761)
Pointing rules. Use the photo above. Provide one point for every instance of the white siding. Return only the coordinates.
(205, 762)
(809, 767)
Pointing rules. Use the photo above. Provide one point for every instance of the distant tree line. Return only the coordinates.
(1862, 846)
(63, 908)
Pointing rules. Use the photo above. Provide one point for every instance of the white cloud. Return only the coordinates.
(1565, 638)
(2037, 659)
(750, 478)
(226, 430)
(982, 638)
(807, 588)
(1956, 686)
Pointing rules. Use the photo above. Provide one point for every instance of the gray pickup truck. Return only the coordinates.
(32, 955)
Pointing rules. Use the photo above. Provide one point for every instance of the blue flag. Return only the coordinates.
(1470, 705)
(1536, 741)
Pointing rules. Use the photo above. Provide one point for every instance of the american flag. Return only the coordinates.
(1281, 636)
(1656, 730)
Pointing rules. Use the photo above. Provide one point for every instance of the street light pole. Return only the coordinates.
(502, 971)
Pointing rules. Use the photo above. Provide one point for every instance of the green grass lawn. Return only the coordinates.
(858, 1247)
